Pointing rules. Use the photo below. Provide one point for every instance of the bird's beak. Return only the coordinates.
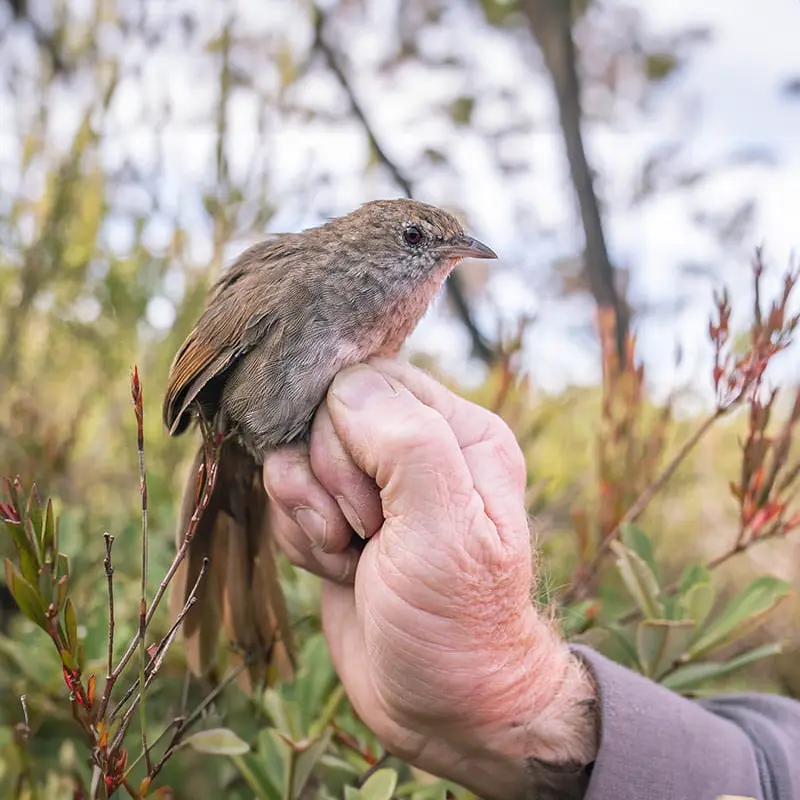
(467, 247)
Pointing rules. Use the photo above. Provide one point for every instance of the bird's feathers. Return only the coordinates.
(240, 593)
(226, 331)
(289, 313)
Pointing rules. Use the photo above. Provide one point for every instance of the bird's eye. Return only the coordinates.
(412, 235)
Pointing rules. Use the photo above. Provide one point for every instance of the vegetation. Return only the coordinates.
(665, 532)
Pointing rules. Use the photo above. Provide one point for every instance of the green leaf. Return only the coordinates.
(691, 576)
(380, 785)
(28, 563)
(33, 512)
(692, 676)
(67, 660)
(62, 566)
(351, 793)
(14, 490)
(61, 593)
(70, 624)
(741, 614)
(48, 531)
(672, 607)
(284, 713)
(45, 583)
(335, 773)
(218, 742)
(253, 774)
(639, 580)
(314, 682)
(274, 753)
(627, 647)
(697, 603)
(660, 642)
(307, 761)
(33, 542)
(634, 538)
(329, 711)
(27, 598)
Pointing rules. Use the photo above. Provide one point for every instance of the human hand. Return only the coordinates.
(431, 627)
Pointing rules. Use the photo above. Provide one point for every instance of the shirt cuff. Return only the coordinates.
(657, 745)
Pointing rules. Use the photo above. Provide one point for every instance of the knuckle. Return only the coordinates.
(419, 429)
(507, 450)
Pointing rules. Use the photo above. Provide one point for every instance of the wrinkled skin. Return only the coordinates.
(431, 627)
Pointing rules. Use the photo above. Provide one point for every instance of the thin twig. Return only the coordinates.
(349, 741)
(23, 699)
(165, 643)
(635, 511)
(373, 768)
(138, 407)
(551, 23)
(157, 661)
(130, 789)
(332, 60)
(23, 733)
(719, 560)
(195, 715)
(481, 347)
(155, 665)
(109, 570)
(582, 586)
(208, 489)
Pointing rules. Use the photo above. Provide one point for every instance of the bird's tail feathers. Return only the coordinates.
(240, 594)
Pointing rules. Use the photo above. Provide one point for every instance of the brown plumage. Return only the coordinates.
(278, 325)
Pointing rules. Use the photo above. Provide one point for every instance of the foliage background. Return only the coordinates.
(145, 144)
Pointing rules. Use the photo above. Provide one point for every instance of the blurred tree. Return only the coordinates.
(145, 144)
(551, 22)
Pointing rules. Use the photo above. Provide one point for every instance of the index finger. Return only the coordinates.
(489, 447)
(472, 424)
(407, 447)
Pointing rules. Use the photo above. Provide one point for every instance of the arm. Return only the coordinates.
(656, 744)
(431, 626)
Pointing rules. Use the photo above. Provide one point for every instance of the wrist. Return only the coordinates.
(540, 730)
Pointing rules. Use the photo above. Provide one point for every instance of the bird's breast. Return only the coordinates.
(400, 313)
(273, 392)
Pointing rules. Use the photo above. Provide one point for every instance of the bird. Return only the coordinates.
(277, 326)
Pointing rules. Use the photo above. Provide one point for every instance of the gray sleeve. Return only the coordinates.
(657, 745)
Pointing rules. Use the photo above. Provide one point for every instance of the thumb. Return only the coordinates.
(407, 447)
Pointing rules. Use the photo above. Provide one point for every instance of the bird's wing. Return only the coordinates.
(228, 328)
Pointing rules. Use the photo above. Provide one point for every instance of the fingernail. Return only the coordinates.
(358, 386)
(350, 515)
(313, 524)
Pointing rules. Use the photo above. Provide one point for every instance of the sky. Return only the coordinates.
(736, 83)
(726, 99)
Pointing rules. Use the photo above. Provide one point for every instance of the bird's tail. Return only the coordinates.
(240, 593)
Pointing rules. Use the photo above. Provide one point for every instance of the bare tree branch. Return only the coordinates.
(49, 43)
(551, 22)
(481, 347)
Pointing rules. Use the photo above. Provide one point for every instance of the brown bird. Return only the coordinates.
(278, 325)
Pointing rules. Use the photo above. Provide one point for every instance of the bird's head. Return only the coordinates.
(406, 239)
